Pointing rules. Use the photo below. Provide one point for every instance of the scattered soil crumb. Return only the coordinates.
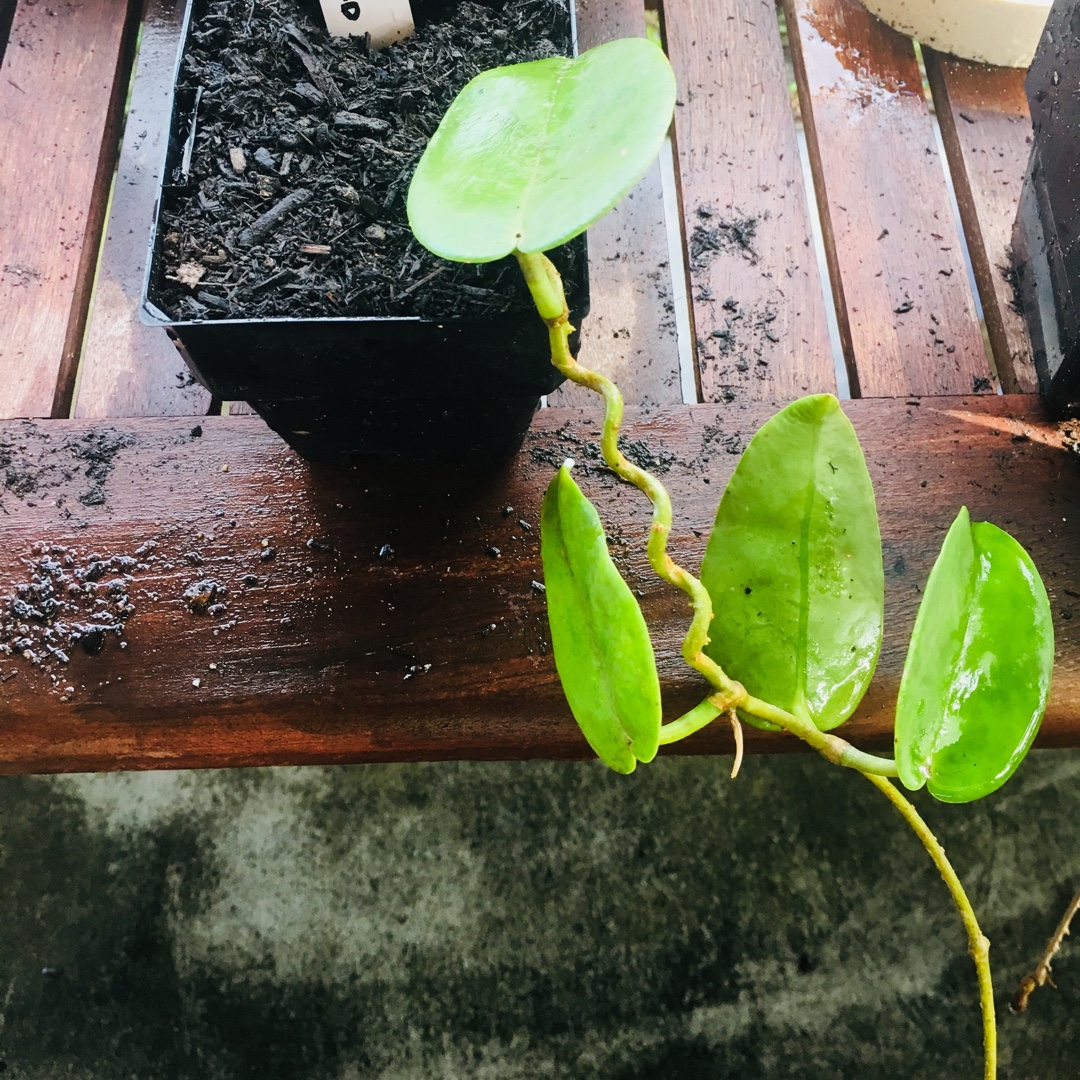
(33, 464)
(68, 599)
(586, 451)
(657, 461)
(206, 598)
(717, 236)
(1011, 274)
(588, 458)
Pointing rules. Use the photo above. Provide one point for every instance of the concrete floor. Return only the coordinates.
(504, 922)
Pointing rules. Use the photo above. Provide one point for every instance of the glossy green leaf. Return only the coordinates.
(598, 634)
(529, 156)
(794, 568)
(978, 668)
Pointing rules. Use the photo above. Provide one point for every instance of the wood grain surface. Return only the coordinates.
(758, 308)
(128, 368)
(62, 88)
(986, 128)
(629, 334)
(390, 612)
(906, 313)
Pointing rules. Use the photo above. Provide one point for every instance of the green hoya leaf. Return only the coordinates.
(530, 155)
(978, 668)
(794, 569)
(598, 634)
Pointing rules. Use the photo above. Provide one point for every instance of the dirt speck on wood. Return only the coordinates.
(35, 463)
(67, 599)
(715, 235)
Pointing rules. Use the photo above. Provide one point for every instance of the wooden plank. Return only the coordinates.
(61, 93)
(986, 128)
(758, 307)
(906, 314)
(389, 613)
(630, 333)
(129, 369)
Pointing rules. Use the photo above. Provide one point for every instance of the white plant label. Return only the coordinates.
(386, 21)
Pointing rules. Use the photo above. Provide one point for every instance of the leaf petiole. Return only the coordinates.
(698, 717)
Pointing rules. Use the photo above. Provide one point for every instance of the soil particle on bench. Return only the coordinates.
(66, 600)
(206, 597)
(714, 235)
(302, 149)
(33, 463)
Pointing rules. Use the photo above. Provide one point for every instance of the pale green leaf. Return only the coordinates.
(599, 637)
(529, 156)
(794, 567)
(977, 675)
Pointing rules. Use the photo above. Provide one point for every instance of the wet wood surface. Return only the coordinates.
(907, 316)
(758, 309)
(386, 613)
(62, 87)
(986, 128)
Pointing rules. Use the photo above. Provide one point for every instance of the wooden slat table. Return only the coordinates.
(362, 614)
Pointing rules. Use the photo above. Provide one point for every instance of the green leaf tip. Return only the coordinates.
(794, 566)
(598, 635)
(530, 155)
(977, 675)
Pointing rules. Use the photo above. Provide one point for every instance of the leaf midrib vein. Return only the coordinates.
(802, 638)
(542, 145)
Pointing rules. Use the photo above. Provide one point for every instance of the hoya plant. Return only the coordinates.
(787, 614)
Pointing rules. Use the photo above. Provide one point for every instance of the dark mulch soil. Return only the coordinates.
(293, 200)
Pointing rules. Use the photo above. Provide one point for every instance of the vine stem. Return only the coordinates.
(978, 945)
(547, 291)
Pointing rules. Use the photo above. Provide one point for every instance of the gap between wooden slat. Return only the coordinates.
(96, 216)
(128, 368)
(986, 129)
(61, 95)
(758, 309)
(630, 332)
(906, 314)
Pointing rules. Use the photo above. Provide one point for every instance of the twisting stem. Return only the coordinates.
(978, 945)
(546, 288)
(1041, 975)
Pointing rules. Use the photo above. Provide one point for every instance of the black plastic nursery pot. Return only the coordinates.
(334, 387)
(1046, 239)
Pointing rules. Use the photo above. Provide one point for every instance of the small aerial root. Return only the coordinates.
(736, 730)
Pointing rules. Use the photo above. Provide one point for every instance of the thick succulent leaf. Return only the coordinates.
(978, 668)
(598, 634)
(530, 155)
(794, 566)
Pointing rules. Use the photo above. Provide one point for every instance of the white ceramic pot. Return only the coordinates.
(1004, 32)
